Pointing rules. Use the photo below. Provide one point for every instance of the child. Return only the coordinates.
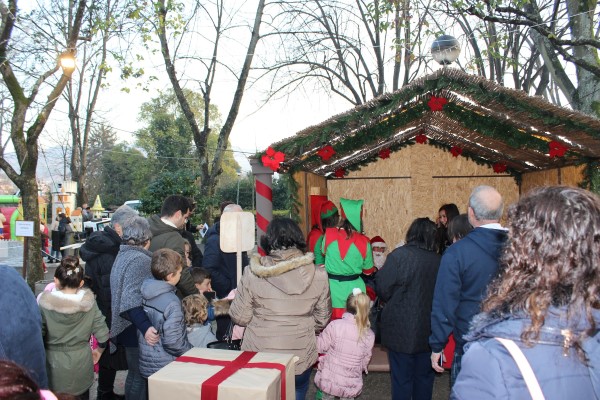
(69, 317)
(348, 344)
(195, 309)
(202, 280)
(163, 308)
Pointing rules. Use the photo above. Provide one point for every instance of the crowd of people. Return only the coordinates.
(519, 302)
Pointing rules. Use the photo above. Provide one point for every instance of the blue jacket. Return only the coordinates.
(21, 326)
(466, 269)
(163, 308)
(489, 371)
(222, 266)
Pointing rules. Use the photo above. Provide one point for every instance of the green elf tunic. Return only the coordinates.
(345, 260)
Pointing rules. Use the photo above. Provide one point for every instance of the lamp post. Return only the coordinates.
(445, 49)
(237, 197)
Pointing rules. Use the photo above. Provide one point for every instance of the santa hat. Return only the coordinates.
(352, 211)
(377, 241)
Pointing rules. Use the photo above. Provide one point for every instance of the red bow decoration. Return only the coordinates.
(326, 152)
(340, 172)
(436, 103)
(272, 159)
(499, 167)
(557, 149)
(456, 151)
(421, 138)
(384, 153)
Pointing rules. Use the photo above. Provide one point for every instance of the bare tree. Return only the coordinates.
(175, 31)
(357, 50)
(28, 64)
(106, 23)
(564, 34)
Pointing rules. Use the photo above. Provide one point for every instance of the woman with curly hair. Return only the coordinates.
(546, 302)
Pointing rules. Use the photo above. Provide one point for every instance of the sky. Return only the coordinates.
(258, 124)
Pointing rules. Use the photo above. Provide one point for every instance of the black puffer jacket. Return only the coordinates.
(406, 283)
(222, 266)
(99, 253)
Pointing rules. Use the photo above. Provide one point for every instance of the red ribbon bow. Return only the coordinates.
(210, 387)
(384, 153)
(557, 149)
(272, 159)
(421, 138)
(436, 103)
(340, 173)
(456, 151)
(326, 152)
(499, 167)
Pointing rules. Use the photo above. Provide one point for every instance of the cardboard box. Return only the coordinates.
(233, 374)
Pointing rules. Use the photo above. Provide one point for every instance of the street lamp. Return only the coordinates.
(445, 49)
(67, 61)
(237, 197)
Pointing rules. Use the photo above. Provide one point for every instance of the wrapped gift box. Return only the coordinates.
(200, 373)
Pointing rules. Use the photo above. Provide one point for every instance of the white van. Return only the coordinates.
(135, 204)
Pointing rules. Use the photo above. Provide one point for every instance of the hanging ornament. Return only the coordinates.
(421, 138)
(340, 173)
(436, 103)
(499, 167)
(326, 152)
(272, 159)
(557, 149)
(384, 153)
(456, 151)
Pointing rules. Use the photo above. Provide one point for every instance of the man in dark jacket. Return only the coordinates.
(466, 269)
(222, 266)
(166, 233)
(99, 253)
(21, 326)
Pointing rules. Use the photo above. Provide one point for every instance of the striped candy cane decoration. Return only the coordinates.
(264, 199)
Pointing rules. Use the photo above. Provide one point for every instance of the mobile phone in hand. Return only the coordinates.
(441, 360)
(210, 296)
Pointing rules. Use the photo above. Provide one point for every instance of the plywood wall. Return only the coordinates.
(570, 176)
(414, 182)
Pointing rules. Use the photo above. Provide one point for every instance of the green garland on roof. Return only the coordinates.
(591, 176)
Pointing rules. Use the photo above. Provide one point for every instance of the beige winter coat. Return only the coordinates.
(283, 300)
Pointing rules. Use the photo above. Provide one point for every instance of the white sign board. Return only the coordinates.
(24, 228)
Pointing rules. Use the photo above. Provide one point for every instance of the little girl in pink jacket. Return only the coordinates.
(348, 346)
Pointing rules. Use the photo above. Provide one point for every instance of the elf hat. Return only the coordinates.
(378, 241)
(328, 209)
(352, 211)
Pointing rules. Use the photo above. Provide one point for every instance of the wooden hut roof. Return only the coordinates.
(489, 123)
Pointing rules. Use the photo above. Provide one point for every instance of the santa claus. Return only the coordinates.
(379, 251)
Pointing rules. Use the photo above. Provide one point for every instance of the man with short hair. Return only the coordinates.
(99, 253)
(466, 269)
(166, 233)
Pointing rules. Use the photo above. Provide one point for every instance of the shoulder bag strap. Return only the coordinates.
(528, 375)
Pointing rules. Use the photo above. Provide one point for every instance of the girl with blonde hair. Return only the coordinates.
(348, 346)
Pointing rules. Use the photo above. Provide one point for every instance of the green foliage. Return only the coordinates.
(168, 139)
(125, 172)
(182, 182)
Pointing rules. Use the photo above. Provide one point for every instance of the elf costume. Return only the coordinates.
(327, 209)
(346, 258)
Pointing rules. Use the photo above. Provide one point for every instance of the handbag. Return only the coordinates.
(227, 343)
(528, 375)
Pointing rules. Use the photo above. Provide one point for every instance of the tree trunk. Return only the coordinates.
(31, 212)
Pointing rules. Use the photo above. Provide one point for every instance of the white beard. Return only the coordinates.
(379, 259)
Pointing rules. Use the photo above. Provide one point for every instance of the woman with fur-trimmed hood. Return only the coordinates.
(283, 299)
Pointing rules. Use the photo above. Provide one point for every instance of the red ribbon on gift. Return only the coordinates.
(210, 387)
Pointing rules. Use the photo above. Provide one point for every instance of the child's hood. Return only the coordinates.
(82, 301)
(152, 288)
